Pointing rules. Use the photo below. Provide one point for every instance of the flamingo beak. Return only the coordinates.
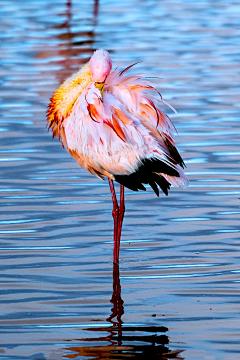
(100, 86)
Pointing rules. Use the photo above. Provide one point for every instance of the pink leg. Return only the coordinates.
(121, 212)
(115, 213)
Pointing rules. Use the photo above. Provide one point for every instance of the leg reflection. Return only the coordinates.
(116, 300)
(117, 309)
(135, 342)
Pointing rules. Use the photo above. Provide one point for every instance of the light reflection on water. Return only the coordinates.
(179, 254)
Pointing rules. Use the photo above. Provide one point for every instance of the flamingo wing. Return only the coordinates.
(162, 163)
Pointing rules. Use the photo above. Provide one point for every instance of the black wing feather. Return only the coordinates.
(154, 187)
(147, 173)
(173, 152)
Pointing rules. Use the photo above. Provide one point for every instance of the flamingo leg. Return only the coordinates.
(121, 212)
(115, 214)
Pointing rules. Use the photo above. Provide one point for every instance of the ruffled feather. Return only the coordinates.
(120, 131)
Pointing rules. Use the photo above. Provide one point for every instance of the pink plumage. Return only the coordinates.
(112, 125)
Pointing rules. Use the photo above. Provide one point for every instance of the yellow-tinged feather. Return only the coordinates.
(65, 96)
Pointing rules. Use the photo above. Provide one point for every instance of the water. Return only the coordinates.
(180, 259)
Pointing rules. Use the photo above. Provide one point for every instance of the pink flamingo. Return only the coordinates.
(112, 126)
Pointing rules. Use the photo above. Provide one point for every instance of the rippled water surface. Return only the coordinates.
(180, 258)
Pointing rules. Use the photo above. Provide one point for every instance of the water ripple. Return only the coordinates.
(179, 254)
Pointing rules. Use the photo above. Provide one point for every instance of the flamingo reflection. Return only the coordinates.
(136, 342)
(64, 49)
(117, 301)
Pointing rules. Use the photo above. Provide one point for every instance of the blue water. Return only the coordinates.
(180, 255)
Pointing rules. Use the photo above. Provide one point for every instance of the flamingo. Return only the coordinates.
(111, 124)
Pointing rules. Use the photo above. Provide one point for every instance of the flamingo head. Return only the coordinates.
(100, 67)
